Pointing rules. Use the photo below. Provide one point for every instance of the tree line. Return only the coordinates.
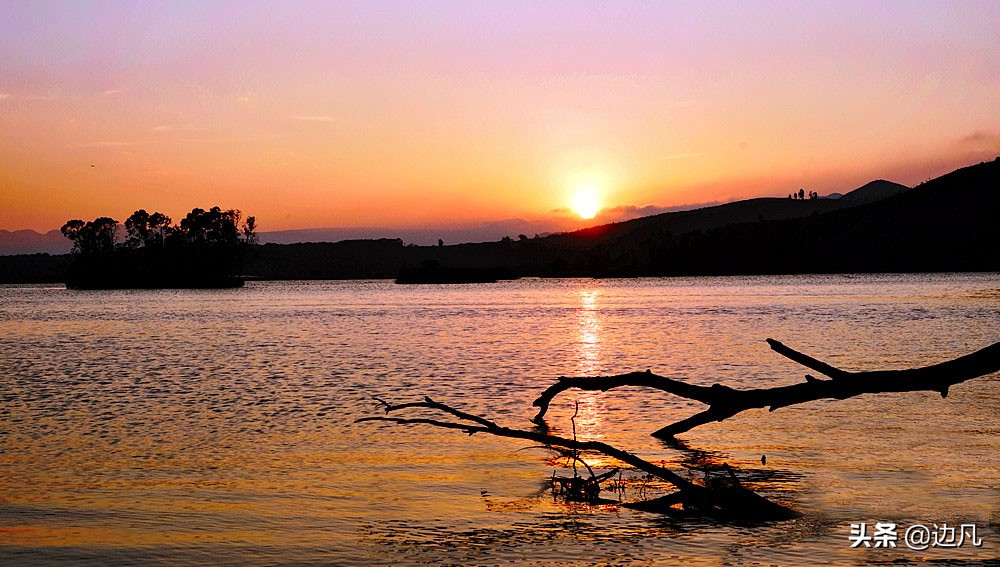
(206, 249)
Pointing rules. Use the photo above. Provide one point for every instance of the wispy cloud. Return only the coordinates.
(626, 212)
(176, 128)
(216, 140)
(316, 118)
(634, 211)
(60, 96)
(28, 97)
(981, 138)
(107, 144)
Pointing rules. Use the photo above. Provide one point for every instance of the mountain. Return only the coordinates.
(750, 210)
(481, 232)
(875, 191)
(31, 242)
(53, 242)
(945, 224)
(568, 254)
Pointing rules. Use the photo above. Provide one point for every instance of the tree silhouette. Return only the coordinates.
(249, 226)
(71, 230)
(93, 237)
(207, 249)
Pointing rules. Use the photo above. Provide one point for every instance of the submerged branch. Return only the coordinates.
(724, 402)
(732, 501)
(728, 500)
(486, 426)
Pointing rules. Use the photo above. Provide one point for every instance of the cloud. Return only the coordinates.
(45, 97)
(216, 139)
(159, 141)
(176, 128)
(312, 118)
(635, 211)
(107, 144)
(4, 95)
(50, 96)
(627, 212)
(981, 138)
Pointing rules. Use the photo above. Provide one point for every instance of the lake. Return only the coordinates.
(217, 426)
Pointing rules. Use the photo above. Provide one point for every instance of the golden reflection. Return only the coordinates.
(588, 419)
(589, 359)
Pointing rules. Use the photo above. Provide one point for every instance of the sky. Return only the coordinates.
(423, 114)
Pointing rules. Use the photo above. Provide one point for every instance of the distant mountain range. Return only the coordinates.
(480, 232)
(945, 224)
(942, 225)
(53, 242)
(31, 242)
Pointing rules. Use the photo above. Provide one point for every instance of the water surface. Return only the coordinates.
(192, 427)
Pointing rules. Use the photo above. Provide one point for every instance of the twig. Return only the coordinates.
(576, 455)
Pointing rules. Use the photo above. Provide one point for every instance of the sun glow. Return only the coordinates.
(586, 202)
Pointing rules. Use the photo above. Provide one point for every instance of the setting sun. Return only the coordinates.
(586, 202)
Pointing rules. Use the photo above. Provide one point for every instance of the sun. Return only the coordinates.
(586, 202)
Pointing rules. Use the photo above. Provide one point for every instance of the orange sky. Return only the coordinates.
(448, 113)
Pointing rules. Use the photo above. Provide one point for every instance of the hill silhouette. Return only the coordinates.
(946, 224)
(31, 242)
(875, 191)
(941, 225)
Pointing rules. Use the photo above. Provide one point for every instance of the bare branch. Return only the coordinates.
(724, 402)
(536, 436)
(807, 361)
(731, 501)
(642, 379)
(470, 429)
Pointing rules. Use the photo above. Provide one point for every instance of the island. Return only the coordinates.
(207, 249)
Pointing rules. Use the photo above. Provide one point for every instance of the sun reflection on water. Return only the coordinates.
(588, 419)
(589, 359)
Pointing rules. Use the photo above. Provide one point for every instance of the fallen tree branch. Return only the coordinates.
(731, 501)
(724, 402)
